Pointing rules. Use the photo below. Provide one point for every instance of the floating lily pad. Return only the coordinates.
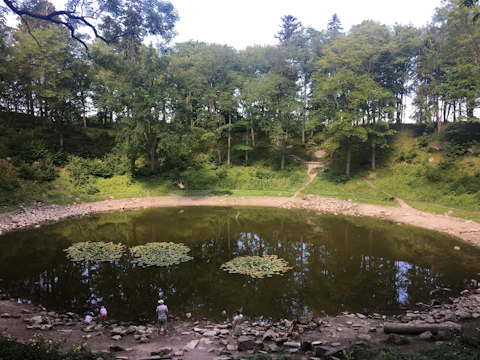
(160, 254)
(95, 251)
(257, 266)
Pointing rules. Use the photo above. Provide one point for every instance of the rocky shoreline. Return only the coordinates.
(37, 214)
(188, 338)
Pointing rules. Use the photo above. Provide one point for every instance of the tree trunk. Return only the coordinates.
(349, 156)
(153, 159)
(246, 142)
(282, 163)
(252, 131)
(413, 329)
(219, 152)
(373, 157)
(111, 120)
(229, 137)
(304, 119)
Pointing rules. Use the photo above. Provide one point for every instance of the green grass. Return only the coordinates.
(356, 189)
(440, 209)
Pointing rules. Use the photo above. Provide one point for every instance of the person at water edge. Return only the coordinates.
(237, 324)
(162, 311)
(88, 319)
(103, 314)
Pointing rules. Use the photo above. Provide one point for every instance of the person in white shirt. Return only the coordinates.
(103, 314)
(88, 319)
(162, 311)
(237, 324)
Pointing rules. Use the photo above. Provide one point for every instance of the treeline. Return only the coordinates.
(330, 86)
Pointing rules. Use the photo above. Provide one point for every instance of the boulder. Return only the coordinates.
(291, 344)
(269, 335)
(427, 335)
(116, 337)
(191, 345)
(116, 348)
(364, 337)
(36, 320)
(210, 333)
(161, 352)
(246, 343)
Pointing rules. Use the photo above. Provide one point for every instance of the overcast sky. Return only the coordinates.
(249, 22)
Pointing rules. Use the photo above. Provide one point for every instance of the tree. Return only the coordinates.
(109, 20)
(289, 27)
(334, 24)
(377, 137)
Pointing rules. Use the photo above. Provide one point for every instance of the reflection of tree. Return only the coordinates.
(337, 264)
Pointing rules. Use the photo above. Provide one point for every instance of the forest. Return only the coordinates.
(108, 115)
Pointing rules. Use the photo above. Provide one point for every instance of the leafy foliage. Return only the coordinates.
(256, 266)
(160, 254)
(40, 349)
(95, 251)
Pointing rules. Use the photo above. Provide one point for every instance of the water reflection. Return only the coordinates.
(338, 264)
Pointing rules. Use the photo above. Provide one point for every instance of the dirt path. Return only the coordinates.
(311, 176)
(402, 203)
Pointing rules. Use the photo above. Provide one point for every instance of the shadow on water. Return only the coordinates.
(339, 264)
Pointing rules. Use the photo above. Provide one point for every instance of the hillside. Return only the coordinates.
(437, 172)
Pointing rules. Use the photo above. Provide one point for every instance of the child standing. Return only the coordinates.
(103, 314)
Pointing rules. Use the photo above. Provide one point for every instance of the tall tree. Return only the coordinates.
(289, 27)
(109, 20)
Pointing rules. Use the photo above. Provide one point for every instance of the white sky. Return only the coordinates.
(249, 22)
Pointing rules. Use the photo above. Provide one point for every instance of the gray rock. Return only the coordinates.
(427, 335)
(364, 337)
(36, 320)
(210, 333)
(161, 352)
(269, 335)
(116, 348)
(462, 314)
(116, 337)
(291, 344)
(273, 347)
(191, 345)
(246, 343)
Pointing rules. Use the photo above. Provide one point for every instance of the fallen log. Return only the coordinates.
(415, 329)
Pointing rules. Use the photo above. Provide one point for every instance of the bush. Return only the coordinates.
(39, 349)
(335, 177)
(79, 170)
(8, 176)
(264, 174)
(425, 140)
(467, 185)
(434, 175)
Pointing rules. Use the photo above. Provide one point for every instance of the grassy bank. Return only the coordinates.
(435, 172)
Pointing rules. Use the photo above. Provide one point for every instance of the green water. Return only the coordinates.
(339, 264)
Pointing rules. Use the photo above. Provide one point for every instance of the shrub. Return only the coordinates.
(39, 349)
(264, 174)
(79, 171)
(335, 177)
(467, 184)
(424, 140)
(434, 175)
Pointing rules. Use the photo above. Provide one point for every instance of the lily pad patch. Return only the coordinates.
(257, 266)
(160, 254)
(95, 251)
